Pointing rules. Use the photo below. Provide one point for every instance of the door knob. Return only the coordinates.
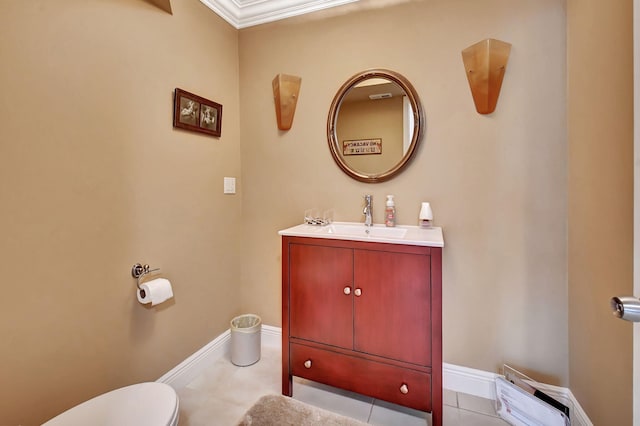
(626, 308)
(347, 290)
(358, 292)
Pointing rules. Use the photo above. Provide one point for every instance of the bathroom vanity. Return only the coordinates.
(362, 311)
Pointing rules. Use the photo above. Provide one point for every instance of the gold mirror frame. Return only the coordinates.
(418, 124)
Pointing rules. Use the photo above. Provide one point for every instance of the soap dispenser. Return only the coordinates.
(390, 212)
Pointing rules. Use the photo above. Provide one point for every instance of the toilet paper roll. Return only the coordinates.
(155, 291)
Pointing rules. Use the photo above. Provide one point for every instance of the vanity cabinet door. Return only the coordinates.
(321, 300)
(392, 304)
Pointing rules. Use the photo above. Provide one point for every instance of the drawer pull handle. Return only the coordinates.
(347, 290)
(358, 292)
(404, 389)
(307, 364)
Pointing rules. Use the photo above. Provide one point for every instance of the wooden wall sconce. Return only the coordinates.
(485, 63)
(285, 93)
(162, 4)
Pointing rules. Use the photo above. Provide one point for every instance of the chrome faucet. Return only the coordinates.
(368, 221)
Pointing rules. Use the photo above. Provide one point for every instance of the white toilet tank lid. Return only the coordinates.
(141, 404)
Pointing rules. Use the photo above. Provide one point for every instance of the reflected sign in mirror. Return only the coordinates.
(375, 124)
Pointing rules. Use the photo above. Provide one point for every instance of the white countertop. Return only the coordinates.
(410, 235)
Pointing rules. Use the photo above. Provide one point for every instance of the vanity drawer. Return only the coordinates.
(406, 387)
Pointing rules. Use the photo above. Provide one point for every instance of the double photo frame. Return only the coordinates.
(195, 113)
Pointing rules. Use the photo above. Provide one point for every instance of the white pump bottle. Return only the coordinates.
(390, 212)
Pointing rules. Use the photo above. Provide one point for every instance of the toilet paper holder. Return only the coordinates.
(138, 271)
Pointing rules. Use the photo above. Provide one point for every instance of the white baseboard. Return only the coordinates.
(182, 374)
(455, 378)
(469, 380)
(271, 336)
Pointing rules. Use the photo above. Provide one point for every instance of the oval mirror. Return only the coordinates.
(375, 125)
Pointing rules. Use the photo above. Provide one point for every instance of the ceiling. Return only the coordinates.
(246, 13)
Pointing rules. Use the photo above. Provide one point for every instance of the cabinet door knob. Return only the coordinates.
(347, 290)
(358, 292)
(307, 363)
(404, 388)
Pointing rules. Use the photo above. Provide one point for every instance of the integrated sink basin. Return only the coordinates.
(411, 235)
(365, 231)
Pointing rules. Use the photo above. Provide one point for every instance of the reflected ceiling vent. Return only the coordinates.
(376, 96)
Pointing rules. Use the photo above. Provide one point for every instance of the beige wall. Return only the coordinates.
(497, 183)
(600, 146)
(93, 178)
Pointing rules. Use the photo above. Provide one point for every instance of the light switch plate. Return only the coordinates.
(229, 185)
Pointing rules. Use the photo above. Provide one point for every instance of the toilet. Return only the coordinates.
(142, 404)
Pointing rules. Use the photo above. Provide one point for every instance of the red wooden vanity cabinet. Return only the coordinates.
(366, 317)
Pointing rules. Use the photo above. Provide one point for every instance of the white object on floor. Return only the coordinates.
(143, 404)
(521, 408)
(245, 339)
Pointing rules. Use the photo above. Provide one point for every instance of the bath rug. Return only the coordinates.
(278, 410)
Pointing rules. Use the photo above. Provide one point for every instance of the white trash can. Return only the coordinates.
(245, 339)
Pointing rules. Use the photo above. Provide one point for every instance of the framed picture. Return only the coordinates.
(362, 147)
(195, 113)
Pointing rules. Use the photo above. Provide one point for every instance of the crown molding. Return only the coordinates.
(247, 13)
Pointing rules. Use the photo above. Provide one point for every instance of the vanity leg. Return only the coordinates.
(436, 336)
(287, 378)
(287, 382)
(436, 416)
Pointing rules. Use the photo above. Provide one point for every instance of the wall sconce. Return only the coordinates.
(285, 93)
(162, 4)
(485, 63)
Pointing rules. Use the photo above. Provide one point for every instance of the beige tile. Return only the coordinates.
(218, 374)
(332, 399)
(208, 411)
(387, 414)
(224, 392)
(451, 416)
(450, 398)
(477, 419)
(476, 404)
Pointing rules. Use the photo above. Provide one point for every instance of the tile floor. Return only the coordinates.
(224, 392)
